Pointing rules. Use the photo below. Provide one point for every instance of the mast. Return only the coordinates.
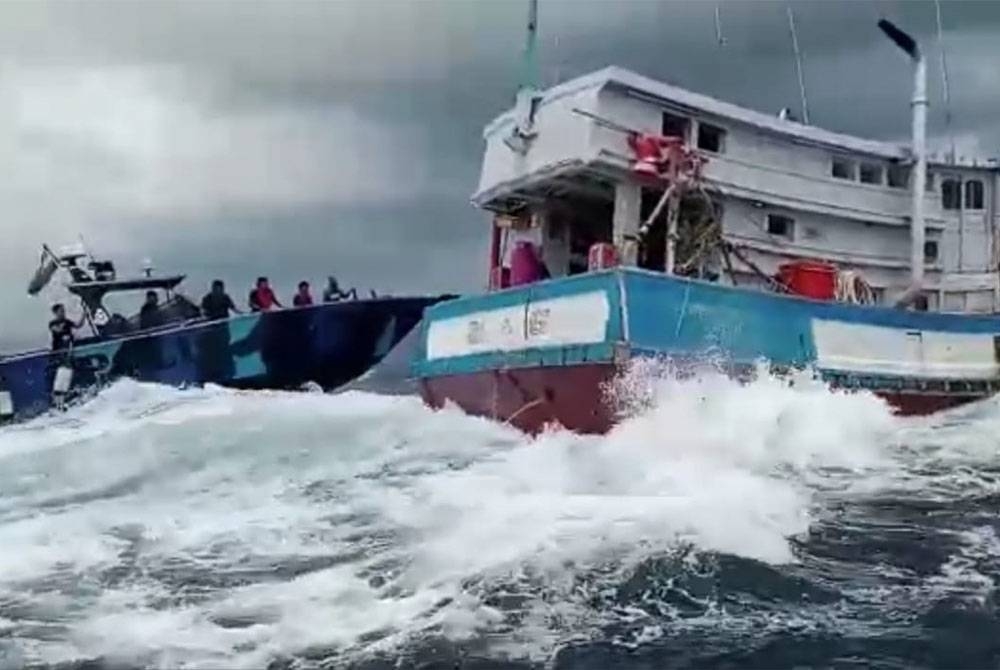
(919, 176)
(527, 98)
(798, 65)
(945, 89)
(529, 64)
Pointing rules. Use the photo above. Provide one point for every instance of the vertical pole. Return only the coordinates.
(919, 177)
(917, 231)
(527, 92)
(945, 88)
(494, 277)
(798, 64)
(719, 37)
(625, 221)
(673, 217)
(529, 76)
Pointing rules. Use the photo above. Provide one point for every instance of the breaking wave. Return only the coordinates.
(194, 528)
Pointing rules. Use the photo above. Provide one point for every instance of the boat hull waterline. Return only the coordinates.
(329, 344)
(548, 352)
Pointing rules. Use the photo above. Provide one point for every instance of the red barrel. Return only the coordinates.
(810, 278)
(602, 255)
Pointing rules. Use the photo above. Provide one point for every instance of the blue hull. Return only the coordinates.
(330, 344)
(520, 347)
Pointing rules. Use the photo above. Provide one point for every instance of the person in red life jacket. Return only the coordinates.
(303, 298)
(262, 298)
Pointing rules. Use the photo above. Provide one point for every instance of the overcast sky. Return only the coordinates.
(234, 139)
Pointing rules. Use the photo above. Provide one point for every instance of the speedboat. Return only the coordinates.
(325, 345)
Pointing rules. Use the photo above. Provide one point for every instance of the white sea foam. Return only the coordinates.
(211, 527)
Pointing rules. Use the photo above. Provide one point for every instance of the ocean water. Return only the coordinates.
(766, 525)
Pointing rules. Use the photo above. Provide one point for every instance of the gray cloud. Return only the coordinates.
(296, 138)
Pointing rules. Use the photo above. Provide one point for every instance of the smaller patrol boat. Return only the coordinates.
(328, 344)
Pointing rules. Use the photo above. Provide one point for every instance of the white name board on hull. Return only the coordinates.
(855, 347)
(575, 319)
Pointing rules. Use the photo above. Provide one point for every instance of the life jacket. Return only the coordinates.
(264, 298)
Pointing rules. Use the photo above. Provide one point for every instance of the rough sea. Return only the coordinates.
(721, 525)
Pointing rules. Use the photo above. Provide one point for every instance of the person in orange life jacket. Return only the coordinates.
(262, 298)
(61, 328)
(303, 298)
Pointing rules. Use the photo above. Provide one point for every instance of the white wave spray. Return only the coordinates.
(209, 527)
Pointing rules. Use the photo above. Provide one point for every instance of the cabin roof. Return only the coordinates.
(674, 96)
(99, 288)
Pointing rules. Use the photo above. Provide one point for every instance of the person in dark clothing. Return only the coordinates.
(217, 304)
(214, 358)
(149, 315)
(61, 328)
(303, 298)
(262, 298)
(332, 292)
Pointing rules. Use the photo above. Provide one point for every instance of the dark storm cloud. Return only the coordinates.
(296, 138)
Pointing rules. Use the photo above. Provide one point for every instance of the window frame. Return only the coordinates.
(967, 191)
(876, 168)
(788, 223)
(851, 164)
(930, 259)
(666, 114)
(898, 170)
(719, 132)
(948, 197)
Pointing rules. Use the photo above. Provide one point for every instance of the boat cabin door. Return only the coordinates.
(964, 203)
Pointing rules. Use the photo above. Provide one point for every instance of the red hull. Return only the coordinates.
(573, 397)
(530, 398)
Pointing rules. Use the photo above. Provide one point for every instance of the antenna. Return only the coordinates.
(718, 26)
(798, 64)
(529, 75)
(527, 100)
(945, 89)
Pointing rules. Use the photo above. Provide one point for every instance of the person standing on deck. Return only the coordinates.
(303, 298)
(217, 304)
(149, 315)
(61, 328)
(262, 298)
(332, 292)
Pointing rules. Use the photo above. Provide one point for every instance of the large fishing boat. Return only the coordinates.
(327, 344)
(636, 219)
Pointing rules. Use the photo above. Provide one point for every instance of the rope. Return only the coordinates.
(853, 289)
(524, 408)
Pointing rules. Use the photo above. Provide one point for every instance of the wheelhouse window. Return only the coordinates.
(842, 169)
(951, 193)
(898, 176)
(871, 173)
(974, 194)
(780, 226)
(674, 125)
(929, 182)
(711, 138)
